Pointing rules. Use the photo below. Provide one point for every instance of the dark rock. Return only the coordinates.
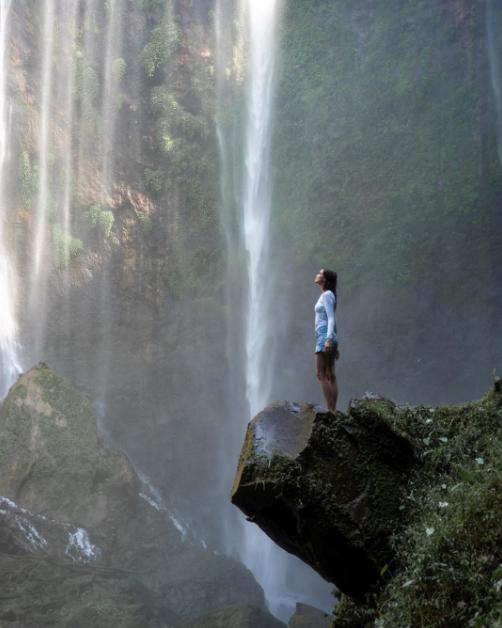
(327, 487)
(306, 616)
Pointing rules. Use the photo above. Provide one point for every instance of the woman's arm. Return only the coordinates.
(329, 306)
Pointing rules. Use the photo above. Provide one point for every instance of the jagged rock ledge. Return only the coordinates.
(327, 487)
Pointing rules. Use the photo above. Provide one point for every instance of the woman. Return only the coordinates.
(326, 349)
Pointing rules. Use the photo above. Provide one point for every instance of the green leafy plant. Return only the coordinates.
(154, 179)
(28, 177)
(101, 218)
(119, 68)
(65, 246)
(161, 45)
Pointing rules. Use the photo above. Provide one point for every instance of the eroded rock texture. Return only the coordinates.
(83, 542)
(326, 487)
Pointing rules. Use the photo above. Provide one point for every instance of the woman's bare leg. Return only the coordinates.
(327, 379)
(333, 384)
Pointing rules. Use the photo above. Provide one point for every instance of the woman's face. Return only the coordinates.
(319, 278)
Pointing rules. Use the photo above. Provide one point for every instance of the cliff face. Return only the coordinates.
(83, 539)
(398, 506)
(119, 132)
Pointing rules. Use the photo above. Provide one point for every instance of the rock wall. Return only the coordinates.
(83, 538)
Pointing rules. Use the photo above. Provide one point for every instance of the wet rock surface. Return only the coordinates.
(83, 540)
(327, 487)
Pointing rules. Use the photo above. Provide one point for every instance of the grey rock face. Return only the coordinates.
(81, 541)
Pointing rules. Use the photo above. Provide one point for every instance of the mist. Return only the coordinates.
(173, 175)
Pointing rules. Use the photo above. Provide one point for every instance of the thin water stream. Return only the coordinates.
(9, 358)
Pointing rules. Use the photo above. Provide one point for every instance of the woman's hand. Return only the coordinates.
(328, 345)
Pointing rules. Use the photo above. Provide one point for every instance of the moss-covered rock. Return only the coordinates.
(51, 460)
(327, 487)
(83, 540)
(418, 487)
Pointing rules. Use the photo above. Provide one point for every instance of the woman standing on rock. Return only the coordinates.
(326, 349)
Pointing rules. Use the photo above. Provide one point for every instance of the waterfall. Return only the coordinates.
(39, 270)
(245, 198)
(257, 197)
(113, 67)
(267, 562)
(67, 91)
(9, 360)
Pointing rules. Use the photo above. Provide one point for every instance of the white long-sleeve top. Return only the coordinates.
(325, 313)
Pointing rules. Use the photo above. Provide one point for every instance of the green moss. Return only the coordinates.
(385, 164)
(154, 179)
(105, 222)
(66, 247)
(101, 218)
(119, 68)
(28, 178)
(449, 554)
(161, 46)
(145, 222)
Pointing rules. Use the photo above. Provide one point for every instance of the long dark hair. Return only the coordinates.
(330, 280)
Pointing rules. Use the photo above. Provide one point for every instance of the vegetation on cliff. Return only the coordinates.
(448, 566)
(385, 140)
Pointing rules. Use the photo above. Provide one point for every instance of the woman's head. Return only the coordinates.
(326, 279)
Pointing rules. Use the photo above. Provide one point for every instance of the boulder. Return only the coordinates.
(68, 500)
(327, 487)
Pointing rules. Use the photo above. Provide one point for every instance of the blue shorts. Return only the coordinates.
(320, 339)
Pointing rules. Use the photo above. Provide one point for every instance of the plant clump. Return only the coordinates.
(101, 218)
(66, 247)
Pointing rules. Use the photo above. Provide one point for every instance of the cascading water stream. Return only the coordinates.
(109, 110)
(262, 17)
(39, 270)
(9, 359)
(70, 14)
(267, 562)
(245, 188)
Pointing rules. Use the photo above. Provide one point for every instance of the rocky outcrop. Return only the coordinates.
(83, 540)
(327, 487)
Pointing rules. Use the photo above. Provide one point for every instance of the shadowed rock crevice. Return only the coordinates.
(327, 487)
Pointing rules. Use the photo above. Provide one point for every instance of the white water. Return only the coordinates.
(267, 562)
(262, 16)
(39, 270)
(80, 548)
(109, 110)
(69, 33)
(9, 359)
